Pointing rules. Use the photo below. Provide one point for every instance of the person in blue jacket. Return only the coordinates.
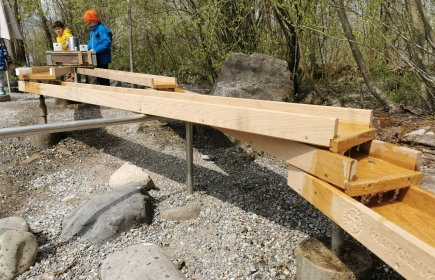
(100, 41)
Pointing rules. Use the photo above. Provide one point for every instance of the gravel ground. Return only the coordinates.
(250, 224)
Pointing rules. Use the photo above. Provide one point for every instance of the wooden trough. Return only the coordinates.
(367, 187)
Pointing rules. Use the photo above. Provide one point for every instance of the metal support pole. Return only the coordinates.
(76, 76)
(70, 126)
(337, 240)
(189, 156)
(7, 77)
(42, 110)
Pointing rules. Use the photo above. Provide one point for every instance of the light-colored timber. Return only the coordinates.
(374, 175)
(351, 134)
(42, 73)
(410, 251)
(359, 118)
(152, 81)
(395, 154)
(71, 58)
(301, 128)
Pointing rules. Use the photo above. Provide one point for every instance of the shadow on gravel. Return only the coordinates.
(245, 184)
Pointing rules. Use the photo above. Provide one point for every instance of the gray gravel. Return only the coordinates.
(250, 224)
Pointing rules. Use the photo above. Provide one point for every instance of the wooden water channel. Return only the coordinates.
(367, 187)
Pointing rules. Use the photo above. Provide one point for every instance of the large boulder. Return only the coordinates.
(18, 249)
(105, 217)
(255, 76)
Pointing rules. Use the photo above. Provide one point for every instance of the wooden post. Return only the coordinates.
(189, 156)
(42, 110)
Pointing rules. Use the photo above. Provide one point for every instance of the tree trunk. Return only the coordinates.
(45, 27)
(417, 14)
(376, 92)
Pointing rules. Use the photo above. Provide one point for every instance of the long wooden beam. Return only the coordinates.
(152, 81)
(356, 118)
(410, 256)
(297, 127)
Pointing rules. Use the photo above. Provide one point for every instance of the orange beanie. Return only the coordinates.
(91, 16)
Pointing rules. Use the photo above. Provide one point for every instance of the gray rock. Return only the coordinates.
(255, 76)
(208, 157)
(43, 277)
(16, 223)
(183, 213)
(129, 173)
(139, 262)
(18, 251)
(108, 215)
(421, 136)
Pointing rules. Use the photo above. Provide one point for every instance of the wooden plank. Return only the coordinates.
(40, 76)
(403, 251)
(352, 119)
(31, 70)
(301, 128)
(127, 77)
(163, 84)
(395, 154)
(80, 56)
(71, 58)
(375, 175)
(330, 167)
(350, 135)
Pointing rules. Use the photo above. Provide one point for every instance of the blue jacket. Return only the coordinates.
(100, 40)
(5, 58)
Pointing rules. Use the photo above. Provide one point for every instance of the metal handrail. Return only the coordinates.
(72, 125)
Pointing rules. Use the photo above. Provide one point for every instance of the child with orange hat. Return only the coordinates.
(100, 41)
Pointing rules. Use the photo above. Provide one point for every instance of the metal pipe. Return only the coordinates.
(337, 240)
(7, 77)
(189, 156)
(69, 126)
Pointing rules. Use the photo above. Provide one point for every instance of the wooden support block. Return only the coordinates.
(395, 154)
(157, 84)
(71, 58)
(374, 175)
(80, 56)
(296, 127)
(350, 135)
(400, 248)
